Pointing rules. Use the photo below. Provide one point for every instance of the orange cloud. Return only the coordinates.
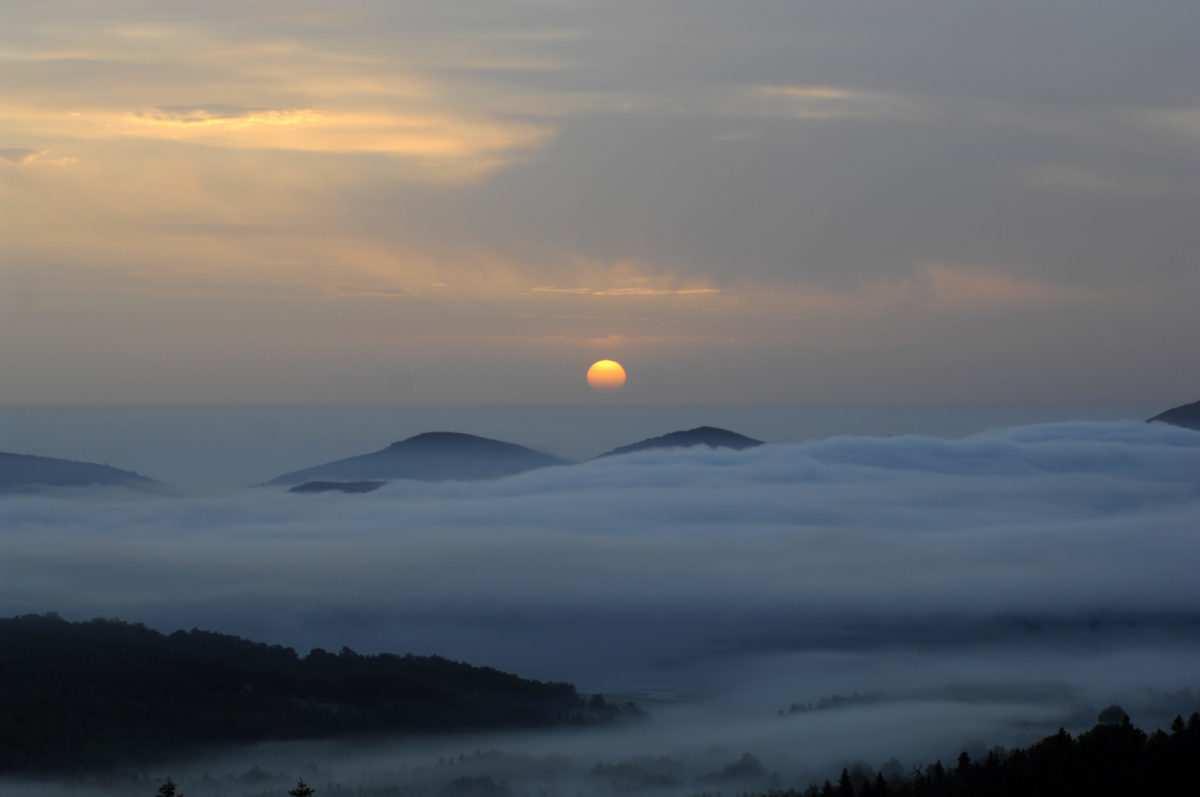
(828, 102)
(32, 157)
(411, 135)
(630, 291)
(626, 278)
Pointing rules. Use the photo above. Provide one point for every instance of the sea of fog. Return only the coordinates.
(811, 602)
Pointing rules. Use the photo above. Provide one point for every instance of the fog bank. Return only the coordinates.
(780, 600)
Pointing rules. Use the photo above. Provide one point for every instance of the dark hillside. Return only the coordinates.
(432, 456)
(100, 694)
(1113, 759)
(336, 487)
(25, 471)
(709, 436)
(1186, 415)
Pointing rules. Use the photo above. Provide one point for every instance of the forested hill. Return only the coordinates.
(432, 456)
(25, 472)
(101, 694)
(1113, 759)
(1186, 415)
(709, 436)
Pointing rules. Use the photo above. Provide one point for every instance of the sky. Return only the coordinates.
(468, 203)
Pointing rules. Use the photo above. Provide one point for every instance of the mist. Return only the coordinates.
(811, 604)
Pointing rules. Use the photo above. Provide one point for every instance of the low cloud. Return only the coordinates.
(626, 562)
(912, 595)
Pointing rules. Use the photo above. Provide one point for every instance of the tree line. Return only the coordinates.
(1113, 759)
(107, 694)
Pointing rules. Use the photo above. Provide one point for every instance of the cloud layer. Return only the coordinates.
(629, 561)
(977, 591)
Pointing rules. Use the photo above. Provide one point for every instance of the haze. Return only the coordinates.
(979, 591)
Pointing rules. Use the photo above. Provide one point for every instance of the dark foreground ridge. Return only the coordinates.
(1113, 758)
(25, 472)
(700, 436)
(106, 694)
(432, 456)
(1186, 415)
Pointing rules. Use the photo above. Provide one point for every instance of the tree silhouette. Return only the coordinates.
(845, 787)
(302, 789)
(168, 789)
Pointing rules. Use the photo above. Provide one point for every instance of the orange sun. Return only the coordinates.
(606, 375)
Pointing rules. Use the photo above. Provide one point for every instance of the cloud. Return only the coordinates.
(382, 291)
(981, 287)
(261, 90)
(32, 157)
(411, 135)
(846, 196)
(978, 591)
(1068, 179)
(631, 291)
(788, 545)
(18, 156)
(582, 276)
(930, 290)
(827, 102)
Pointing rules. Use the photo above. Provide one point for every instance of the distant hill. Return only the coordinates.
(700, 436)
(432, 456)
(1186, 415)
(338, 487)
(105, 694)
(25, 471)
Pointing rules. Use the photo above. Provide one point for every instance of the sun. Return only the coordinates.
(606, 375)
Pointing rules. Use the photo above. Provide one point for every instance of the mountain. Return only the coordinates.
(339, 487)
(25, 471)
(105, 694)
(1186, 415)
(709, 436)
(432, 456)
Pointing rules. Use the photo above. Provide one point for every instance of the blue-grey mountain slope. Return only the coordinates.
(26, 471)
(337, 487)
(709, 436)
(432, 456)
(1186, 415)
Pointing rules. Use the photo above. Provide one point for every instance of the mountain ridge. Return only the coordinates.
(1185, 415)
(105, 693)
(429, 456)
(30, 471)
(711, 436)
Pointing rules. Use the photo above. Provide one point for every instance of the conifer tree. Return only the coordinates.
(168, 789)
(845, 787)
(302, 789)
